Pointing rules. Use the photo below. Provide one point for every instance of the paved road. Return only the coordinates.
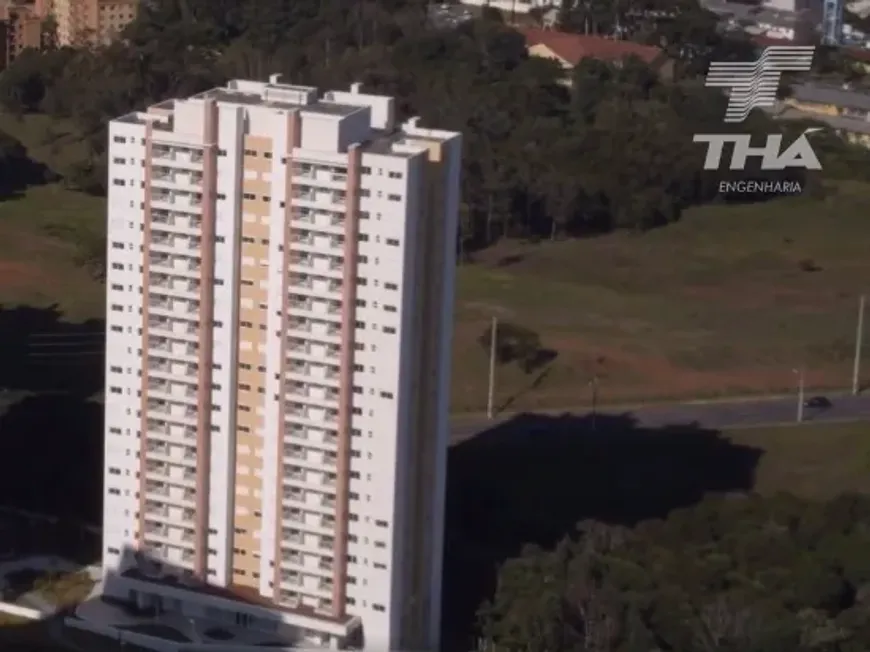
(715, 415)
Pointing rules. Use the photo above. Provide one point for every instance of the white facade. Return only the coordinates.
(280, 296)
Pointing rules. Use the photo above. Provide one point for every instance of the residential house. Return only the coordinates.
(568, 50)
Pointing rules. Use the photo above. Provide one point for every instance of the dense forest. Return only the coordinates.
(741, 574)
(540, 160)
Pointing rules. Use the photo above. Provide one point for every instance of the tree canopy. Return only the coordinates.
(737, 574)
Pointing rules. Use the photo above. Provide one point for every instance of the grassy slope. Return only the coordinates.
(715, 304)
(813, 461)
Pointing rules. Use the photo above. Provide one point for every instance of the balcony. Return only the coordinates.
(291, 536)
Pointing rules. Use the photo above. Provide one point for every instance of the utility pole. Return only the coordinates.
(493, 337)
(594, 385)
(800, 403)
(859, 340)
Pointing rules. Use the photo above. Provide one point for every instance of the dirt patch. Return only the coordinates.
(17, 275)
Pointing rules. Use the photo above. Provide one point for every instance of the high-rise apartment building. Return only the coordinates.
(91, 22)
(279, 321)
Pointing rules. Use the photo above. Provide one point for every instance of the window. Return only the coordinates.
(115, 431)
(117, 287)
(390, 308)
(222, 152)
(119, 182)
(114, 551)
(119, 139)
(391, 286)
(389, 330)
(267, 154)
(366, 170)
(392, 242)
(248, 240)
(394, 197)
(244, 387)
(117, 307)
(114, 471)
(362, 237)
(117, 329)
(250, 152)
(115, 492)
(115, 390)
(360, 303)
(395, 175)
(380, 566)
(378, 607)
(248, 195)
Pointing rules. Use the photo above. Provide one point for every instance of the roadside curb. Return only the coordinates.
(796, 425)
(476, 417)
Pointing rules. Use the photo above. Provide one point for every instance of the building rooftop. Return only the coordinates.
(232, 96)
(844, 97)
(573, 48)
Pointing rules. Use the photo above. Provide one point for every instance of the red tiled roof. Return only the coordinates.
(573, 48)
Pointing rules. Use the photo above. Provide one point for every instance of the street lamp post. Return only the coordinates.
(800, 402)
(859, 338)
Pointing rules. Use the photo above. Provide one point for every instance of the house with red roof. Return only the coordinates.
(568, 50)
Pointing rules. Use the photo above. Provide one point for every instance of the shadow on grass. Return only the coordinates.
(18, 171)
(534, 478)
(51, 449)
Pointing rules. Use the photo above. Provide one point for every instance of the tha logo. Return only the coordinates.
(754, 84)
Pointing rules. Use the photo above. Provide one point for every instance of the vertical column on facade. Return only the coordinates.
(146, 285)
(206, 337)
(293, 140)
(345, 408)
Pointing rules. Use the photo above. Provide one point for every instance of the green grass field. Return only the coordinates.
(727, 301)
(719, 303)
(816, 461)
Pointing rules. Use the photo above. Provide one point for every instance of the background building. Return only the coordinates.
(832, 22)
(20, 28)
(279, 323)
(91, 22)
